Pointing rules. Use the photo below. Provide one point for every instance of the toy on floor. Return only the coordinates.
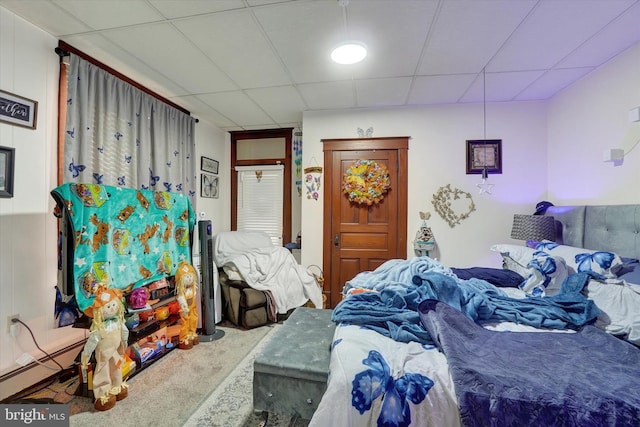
(108, 338)
(186, 285)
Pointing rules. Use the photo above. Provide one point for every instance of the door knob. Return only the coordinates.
(336, 240)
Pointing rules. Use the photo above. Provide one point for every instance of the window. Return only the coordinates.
(260, 200)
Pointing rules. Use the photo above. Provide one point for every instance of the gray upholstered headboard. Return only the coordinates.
(614, 228)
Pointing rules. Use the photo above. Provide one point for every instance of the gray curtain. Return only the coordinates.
(118, 135)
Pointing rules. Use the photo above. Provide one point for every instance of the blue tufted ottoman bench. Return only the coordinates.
(290, 373)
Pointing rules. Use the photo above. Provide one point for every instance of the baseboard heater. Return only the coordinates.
(13, 383)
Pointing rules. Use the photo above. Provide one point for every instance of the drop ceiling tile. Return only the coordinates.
(181, 8)
(382, 92)
(616, 37)
(392, 52)
(47, 15)
(247, 57)
(439, 89)
(203, 111)
(463, 41)
(237, 107)
(100, 14)
(105, 51)
(331, 95)
(552, 82)
(303, 35)
(177, 59)
(500, 86)
(552, 31)
(283, 103)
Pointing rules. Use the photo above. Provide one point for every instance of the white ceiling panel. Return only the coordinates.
(237, 107)
(500, 86)
(181, 8)
(47, 16)
(552, 82)
(392, 52)
(101, 14)
(283, 103)
(382, 92)
(291, 26)
(332, 95)
(171, 54)
(202, 110)
(237, 56)
(552, 31)
(463, 41)
(246, 64)
(616, 37)
(444, 89)
(125, 63)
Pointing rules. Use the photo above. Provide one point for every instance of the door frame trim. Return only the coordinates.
(398, 143)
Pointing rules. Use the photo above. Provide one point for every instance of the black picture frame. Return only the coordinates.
(209, 165)
(209, 187)
(7, 161)
(484, 155)
(17, 110)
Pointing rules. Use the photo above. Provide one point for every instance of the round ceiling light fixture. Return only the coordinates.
(349, 53)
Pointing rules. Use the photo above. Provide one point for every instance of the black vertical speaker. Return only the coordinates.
(207, 275)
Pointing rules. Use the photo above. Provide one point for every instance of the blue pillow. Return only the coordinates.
(630, 271)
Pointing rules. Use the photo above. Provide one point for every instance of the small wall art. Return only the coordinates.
(209, 186)
(6, 172)
(209, 165)
(484, 155)
(17, 110)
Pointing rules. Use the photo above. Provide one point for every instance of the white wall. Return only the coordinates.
(215, 144)
(28, 256)
(584, 121)
(28, 229)
(437, 158)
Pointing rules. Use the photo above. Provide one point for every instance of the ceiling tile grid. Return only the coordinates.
(247, 64)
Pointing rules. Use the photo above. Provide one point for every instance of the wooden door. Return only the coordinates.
(358, 237)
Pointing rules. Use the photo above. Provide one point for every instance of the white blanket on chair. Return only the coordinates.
(275, 269)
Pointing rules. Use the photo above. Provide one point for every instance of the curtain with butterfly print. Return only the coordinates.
(118, 135)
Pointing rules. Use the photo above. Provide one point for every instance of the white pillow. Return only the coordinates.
(515, 258)
(546, 275)
(583, 260)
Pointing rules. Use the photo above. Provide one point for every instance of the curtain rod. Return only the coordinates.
(64, 49)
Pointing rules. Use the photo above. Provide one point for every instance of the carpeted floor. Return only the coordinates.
(209, 385)
(170, 390)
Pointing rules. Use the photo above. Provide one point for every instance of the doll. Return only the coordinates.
(186, 285)
(109, 339)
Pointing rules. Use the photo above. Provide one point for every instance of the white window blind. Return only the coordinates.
(261, 199)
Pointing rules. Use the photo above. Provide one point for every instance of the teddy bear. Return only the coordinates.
(186, 286)
(108, 338)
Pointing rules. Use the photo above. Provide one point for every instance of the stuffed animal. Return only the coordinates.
(186, 286)
(108, 338)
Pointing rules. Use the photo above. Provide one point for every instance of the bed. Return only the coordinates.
(550, 339)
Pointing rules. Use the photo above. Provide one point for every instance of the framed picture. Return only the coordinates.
(209, 186)
(484, 154)
(209, 165)
(6, 172)
(17, 110)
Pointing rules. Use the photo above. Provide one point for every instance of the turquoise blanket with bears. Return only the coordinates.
(124, 237)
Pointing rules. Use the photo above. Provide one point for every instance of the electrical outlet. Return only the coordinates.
(10, 321)
(24, 359)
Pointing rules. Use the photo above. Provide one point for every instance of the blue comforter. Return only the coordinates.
(589, 378)
(396, 288)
